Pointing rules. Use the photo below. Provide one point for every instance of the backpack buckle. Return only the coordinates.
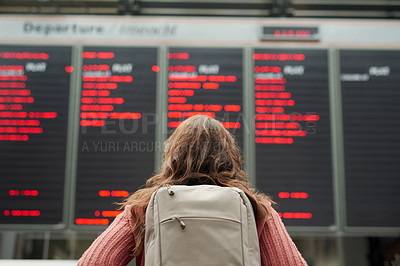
(169, 189)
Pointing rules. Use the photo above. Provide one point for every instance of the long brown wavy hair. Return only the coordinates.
(200, 151)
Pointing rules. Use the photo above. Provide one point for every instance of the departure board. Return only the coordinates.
(117, 129)
(206, 81)
(292, 134)
(34, 98)
(371, 125)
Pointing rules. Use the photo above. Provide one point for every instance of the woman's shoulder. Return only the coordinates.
(126, 215)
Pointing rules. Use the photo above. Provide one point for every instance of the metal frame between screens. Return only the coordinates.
(75, 135)
(248, 106)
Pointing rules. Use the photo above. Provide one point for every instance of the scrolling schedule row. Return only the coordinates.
(206, 81)
(34, 97)
(371, 125)
(292, 134)
(117, 129)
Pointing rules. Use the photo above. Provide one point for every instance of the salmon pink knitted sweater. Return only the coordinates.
(114, 246)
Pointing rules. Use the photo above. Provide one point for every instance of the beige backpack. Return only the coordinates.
(200, 225)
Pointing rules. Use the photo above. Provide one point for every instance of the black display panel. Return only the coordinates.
(292, 134)
(371, 125)
(294, 33)
(206, 81)
(34, 98)
(117, 129)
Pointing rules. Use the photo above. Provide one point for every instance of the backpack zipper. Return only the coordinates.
(198, 218)
(183, 225)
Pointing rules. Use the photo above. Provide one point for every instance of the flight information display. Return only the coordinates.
(34, 98)
(117, 129)
(292, 134)
(371, 125)
(207, 81)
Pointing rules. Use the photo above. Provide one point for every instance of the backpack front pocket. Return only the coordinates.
(212, 241)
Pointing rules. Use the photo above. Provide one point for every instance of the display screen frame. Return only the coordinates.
(245, 101)
(304, 230)
(290, 33)
(69, 146)
(349, 229)
(157, 153)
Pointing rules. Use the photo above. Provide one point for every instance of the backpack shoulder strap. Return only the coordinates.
(253, 242)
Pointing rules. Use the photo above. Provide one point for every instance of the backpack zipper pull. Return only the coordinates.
(170, 191)
(183, 225)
